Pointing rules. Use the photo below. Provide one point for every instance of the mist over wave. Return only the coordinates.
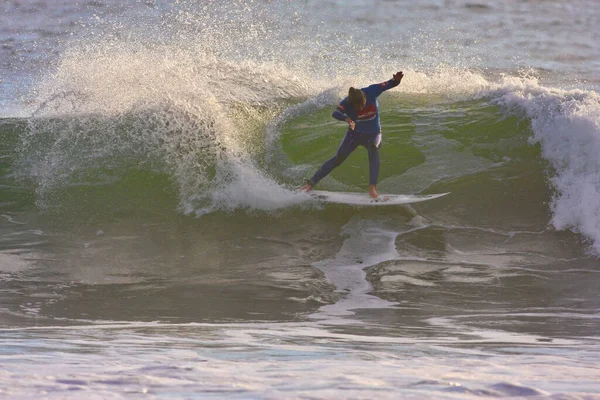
(180, 111)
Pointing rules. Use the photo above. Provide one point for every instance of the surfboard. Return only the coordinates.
(363, 199)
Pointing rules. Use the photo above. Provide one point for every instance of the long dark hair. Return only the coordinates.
(356, 97)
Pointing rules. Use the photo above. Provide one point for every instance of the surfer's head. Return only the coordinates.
(357, 98)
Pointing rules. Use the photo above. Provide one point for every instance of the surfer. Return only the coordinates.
(360, 110)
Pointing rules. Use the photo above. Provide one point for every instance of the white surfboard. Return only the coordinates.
(363, 199)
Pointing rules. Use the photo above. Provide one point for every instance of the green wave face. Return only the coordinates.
(102, 189)
(425, 142)
(431, 145)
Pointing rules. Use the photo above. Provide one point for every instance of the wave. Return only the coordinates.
(205, 100)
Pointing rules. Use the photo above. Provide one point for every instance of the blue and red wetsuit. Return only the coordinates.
(367, 132)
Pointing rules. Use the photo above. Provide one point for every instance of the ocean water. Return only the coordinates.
(153, 243)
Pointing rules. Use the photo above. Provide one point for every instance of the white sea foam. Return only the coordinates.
(566, 124)
(275, 360)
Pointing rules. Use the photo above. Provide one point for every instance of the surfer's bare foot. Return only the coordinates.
(372, 191)
(306, 188)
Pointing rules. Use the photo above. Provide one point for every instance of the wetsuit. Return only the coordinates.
(367, 132)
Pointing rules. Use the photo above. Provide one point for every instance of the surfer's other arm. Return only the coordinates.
(349, 108)
(339, 114)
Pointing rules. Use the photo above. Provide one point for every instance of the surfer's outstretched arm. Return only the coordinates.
(378, 88)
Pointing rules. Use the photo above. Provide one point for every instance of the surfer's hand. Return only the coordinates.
(398, 76)
(351, 123)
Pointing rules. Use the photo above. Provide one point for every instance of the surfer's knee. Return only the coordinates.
(373, 151)
(376, 143)
(339, 159)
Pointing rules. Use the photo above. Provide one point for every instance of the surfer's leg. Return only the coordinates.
(348, 145)
(373, 149)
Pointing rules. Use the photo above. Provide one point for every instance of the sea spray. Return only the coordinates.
(120, 107)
